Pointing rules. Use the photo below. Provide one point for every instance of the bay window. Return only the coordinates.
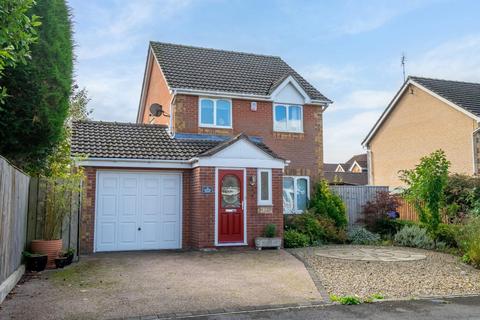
(296, 192)
(215, 113)
(287, 118)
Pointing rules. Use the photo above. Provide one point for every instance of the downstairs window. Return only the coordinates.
(296, 192)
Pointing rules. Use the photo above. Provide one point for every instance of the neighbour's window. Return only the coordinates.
(288, 118)
(215, 113)
(264, 184)
(296, 192)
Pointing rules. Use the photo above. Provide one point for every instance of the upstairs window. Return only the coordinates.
(288, 118)
(215, 113)
(296, 192)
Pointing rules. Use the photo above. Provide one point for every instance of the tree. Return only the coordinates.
(33, 115)
(325, 203)
(426, 186)
(78, 109)
(17, 33)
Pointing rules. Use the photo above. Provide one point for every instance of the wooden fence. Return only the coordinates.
(13, 223)
(355, 197)
(407, 211)
(37, 210)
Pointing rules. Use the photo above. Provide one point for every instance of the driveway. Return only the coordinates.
(116, 285)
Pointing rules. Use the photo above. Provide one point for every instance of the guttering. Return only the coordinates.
(134, 163)
(246, 96)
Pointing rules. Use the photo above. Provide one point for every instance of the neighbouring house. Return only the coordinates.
(225, 143)
(425, 115)
(354, 172)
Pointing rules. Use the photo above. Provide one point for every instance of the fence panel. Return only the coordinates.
(407, 211)
(355, 197)
(13, 217)
(38, 209)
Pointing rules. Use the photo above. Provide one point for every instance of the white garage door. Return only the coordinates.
(137, 211)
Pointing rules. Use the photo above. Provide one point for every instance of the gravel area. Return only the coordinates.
(439, 274)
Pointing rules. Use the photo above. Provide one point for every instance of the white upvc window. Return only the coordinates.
(264, 187)
(296, 192)
(215, 113)
(287, 117)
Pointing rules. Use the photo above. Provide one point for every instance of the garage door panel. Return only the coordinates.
(138, 211)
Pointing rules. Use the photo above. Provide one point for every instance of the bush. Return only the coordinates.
(462, 196)
(318, 229)
(468, 240)
(360, 235)
(327, 204)
(270, 230)
(294, 239)
(447, 233)
(414, 236)
(375, 214)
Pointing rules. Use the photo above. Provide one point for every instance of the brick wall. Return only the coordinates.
(202, 214)
(477, 152)
(304, 150)
(257, 219)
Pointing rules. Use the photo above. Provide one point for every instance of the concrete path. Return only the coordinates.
(117, 285)
(434, 309)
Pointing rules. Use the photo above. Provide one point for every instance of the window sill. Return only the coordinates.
(287, 131)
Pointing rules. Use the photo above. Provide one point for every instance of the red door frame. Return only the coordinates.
(230, 227)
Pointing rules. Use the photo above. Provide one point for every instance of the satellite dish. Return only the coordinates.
(156, 110)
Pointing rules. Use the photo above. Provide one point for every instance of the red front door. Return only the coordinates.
(230, 206)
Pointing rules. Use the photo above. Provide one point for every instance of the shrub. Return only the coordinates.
(447, 234)
(360, 235)
(375, 213)
(414, 236)
(270, 230)
(327, 204)
(318, 229)
(462, 196)
(468, 240)
(294, 239)
(426, 185)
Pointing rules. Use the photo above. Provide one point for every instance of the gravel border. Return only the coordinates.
(439, 275)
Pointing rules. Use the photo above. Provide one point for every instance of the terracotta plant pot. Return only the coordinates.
(52, 248)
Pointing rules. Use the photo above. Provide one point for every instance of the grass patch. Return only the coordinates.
(86, 274)
(354, 300)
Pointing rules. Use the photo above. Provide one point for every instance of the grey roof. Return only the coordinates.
(187, 67)
(96, 139)
(346, 178)
(361, 159)
(330, 167)
(463, 94)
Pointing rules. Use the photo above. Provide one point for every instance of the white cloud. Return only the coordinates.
(343, 138)
(323, 73)
(457, 59)
(363, 99)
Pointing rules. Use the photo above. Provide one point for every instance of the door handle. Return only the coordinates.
(139, 229)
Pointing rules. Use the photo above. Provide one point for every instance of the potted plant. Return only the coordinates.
(57, 206)
(69, 254)
(269, 239)
(34, 261)
(60, 262)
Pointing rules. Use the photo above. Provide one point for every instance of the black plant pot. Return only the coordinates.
(60, 262)
(69, 259)
(36, 262)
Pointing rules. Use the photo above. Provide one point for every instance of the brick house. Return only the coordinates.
(425, 115)
(225, 143)
(354, 172)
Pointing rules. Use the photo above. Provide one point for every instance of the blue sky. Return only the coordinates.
(349, 50)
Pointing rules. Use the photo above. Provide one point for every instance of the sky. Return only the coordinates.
(349, 50)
